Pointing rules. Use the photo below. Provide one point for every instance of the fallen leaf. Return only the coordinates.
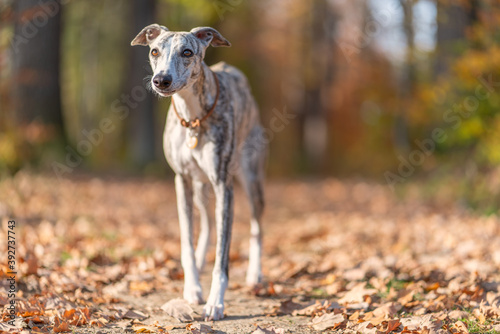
(39, 319)
(318, 307)
(38, 330)
(354, 316)
(144, 329)
(357, 294)
(121, 323)
(269, 330)
(358, 306)
(387, 310)
(407, 298)
(309, 310)
(179, 309)
(5, 327)
(327, 321)
(133, 314)
(460, 327)
(374, 319)
(170, 327)
(488, 311)
(286, 307)
(458, 314)
(28, 309)
(199, 328)
(142, 287)
(365, 328)
(60, 326)
(433, 286)
(392, 325)
(123, 313)
(56, 302)
(76, 317)
(101, 322)
(419, 323)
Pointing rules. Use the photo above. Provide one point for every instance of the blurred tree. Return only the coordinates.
(408, 78)
(317, 77)
(453, 19)
(36, 59)
(141, 123)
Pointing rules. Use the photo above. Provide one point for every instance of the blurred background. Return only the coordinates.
(402, 92)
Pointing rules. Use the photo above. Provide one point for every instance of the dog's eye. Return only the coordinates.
(187, 53)
(154, 52)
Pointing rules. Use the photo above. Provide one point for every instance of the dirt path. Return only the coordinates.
(102, 256)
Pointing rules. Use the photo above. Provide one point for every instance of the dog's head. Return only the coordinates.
(176, 57)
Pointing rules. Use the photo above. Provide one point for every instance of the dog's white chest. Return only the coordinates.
(188, 156)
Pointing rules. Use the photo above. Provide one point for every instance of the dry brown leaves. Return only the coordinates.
(345, 256)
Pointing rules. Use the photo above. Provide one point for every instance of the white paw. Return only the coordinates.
(253, 278)
(193, 294)
(213, 311)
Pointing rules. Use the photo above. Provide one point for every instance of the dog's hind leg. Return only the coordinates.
(254, 274)
(192, 287)
(251, 177)
(201, 200)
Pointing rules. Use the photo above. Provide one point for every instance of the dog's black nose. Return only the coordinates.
(162, 81)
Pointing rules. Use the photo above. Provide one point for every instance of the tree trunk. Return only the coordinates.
(452, 22)
(36, 59)
(317, 75)
(408, 78)
(141, 124)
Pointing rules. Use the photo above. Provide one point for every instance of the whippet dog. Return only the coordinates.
(212, 133)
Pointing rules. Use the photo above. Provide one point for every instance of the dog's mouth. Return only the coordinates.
(164, 92)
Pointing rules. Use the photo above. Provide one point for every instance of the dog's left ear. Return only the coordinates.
(210, 36)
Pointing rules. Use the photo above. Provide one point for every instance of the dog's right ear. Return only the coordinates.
(148, 34)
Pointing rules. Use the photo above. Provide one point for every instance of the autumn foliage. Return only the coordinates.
(338, 256)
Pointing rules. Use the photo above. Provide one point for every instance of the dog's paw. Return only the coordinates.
(213, 312)
(253, 278)
(193, 295)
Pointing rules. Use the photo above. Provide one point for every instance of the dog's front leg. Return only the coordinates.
(192, 287)
(214, 309)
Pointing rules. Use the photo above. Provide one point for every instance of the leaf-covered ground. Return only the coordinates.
(101, 255)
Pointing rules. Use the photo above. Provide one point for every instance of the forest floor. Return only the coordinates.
(101, 255)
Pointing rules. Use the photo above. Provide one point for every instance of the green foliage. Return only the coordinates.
(182, 14)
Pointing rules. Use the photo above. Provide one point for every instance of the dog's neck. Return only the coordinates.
(195, 100)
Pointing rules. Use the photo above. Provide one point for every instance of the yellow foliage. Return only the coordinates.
(471, 128)
(477, 62)
(491, 143)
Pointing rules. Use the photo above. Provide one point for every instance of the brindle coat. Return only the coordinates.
(231, 143)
